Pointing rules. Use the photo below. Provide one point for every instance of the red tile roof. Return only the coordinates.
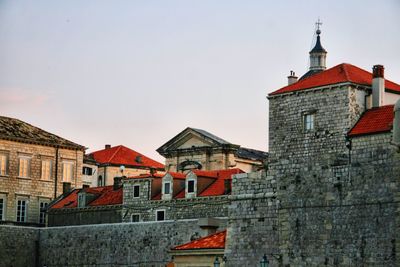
(106, 195)
(217, 188)
(375, 120)
(338, 74)
(214, 241)
(121, 155)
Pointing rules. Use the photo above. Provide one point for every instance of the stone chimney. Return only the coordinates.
(117, 183)
(292, 78)
(107, 146)
(378, 86)
(396, 124)
(66, 187)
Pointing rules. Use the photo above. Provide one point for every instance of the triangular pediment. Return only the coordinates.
(190, 138)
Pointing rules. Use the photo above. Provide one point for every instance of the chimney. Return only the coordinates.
(292, 78)
(227, 187)
(66, 187)
(117, 183)
(396, 124)
(107, 146)
(378, 86)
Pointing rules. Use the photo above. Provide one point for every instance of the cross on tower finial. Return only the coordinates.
(318, 24)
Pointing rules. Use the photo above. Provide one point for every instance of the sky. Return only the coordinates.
(137, 73)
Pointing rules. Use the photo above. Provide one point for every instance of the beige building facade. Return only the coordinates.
(199, 149)
(35, 168)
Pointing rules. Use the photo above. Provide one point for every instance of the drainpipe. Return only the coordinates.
(56, 174)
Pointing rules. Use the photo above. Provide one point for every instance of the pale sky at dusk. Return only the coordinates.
(138, 72)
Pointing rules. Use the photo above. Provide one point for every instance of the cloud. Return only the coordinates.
(22, 98)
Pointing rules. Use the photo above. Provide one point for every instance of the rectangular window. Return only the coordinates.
(160, 215)
(3, 164)
(167, 188)
(21, 210)
(136, 190)
(87, 171)
(191, 186)
(3, 204)
(24, 167)
(46, 169)
(309, 122)
(135, 218)
(68, 171)
(42, 212)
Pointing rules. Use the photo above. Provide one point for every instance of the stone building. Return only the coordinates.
(35, 168)
(198, 149)
(109, 160)
(149, 197)
(330, 194)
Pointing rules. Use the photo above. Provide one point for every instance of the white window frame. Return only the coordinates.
(42, 214)
(71, 165)
(3, 211)
(135, 214)
(165, 215)
(136, 186)
(25, 217)
(309, 121)
(4, 159)
(25, 172)
(49, 172)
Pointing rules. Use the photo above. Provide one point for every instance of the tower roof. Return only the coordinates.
(318, 47)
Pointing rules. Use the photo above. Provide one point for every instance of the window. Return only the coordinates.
(3, 164)
(160, 215)
(24, 167)
(42, 211)
(135, 218)
(167, 188)
(81, 200)
(191, 186)
(87, 171)
(46, 169)
(136, 190)
(21, 210)
(100, 181)
(309, 122)
(68, 170)
(3, 204)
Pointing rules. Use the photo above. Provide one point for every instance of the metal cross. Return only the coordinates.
(318, 23)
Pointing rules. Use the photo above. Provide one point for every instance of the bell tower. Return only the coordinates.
(318, 53)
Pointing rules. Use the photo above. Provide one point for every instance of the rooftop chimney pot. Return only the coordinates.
(378, 86)
(107, 146)
(292, 78)
(378, 71)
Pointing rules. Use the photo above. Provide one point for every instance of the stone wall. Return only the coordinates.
(119, 244)
(253, 221)
(19, 246)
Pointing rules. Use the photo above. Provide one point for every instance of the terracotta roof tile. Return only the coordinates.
(121, 155)
(217, 188)
(338, 74)
(375, 120)
(214, 241)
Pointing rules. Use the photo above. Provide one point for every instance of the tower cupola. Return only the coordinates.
(318, 53)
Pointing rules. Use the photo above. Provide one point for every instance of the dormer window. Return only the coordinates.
(191, 186)
(167, 188)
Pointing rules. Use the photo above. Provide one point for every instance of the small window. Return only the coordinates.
(68, 171)
(309, 122)
(42, 211)
(87, 170)
(3, 164)
(81, 200)
(136, 190)
(46, 169)
(135, 218)
(191, 186)
(3, 204)
(167, 188)
(160, 215)
(24, 167)
(21, 210)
